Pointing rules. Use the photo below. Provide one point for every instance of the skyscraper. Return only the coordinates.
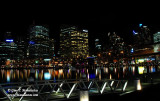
(21, 48)
(39, 42)
(8, 47)
(142, 36)
(73, 42)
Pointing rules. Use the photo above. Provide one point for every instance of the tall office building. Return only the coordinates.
(142, 36)
(51, 47)
(156, 37)
(21, 48)
(8, 48)
(38, 42)
(98, 46)
(73, 42)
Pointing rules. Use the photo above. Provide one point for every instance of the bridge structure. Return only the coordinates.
(58, 89)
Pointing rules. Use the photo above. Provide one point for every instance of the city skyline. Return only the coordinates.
(99, 23)
(114, 22)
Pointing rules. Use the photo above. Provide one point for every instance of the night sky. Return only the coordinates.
(98, 21)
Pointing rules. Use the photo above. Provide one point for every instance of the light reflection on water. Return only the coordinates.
(14, 75)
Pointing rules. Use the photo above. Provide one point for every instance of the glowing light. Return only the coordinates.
(85, 30)
(9, 40)
(59, 88)
(133, 70)
(90, 84)
(103, 87)
(47, 59)
(47, 76)
(110, 76)
(31, 42)
(109, 53)
(84, 96)
(132, 50)
(60, 71)
(134, 32)
(138, 85)
(112, 83)
(72, 90)
(141, 60)
(8, 76)
(121, 52)
(36, 61)
(125, 85)
(140, 69)
(140, 25)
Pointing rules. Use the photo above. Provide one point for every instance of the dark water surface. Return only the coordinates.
(23, 75)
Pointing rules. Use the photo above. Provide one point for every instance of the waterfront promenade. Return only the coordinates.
(100, 85)
(149, 90)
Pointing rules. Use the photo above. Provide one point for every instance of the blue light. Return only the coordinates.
(140, 25)
(134, 32)
(92, 76)
(153, 69)
(152, 59)
(9, 40)
(47, 76)
(132, 50)
(47, 59)
(31, 42)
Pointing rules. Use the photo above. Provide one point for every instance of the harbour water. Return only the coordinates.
(125, 73)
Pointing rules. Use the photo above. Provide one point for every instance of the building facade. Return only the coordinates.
(38, 42)
(142, 35)
(73, 42)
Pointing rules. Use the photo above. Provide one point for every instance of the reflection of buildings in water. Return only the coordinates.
(47, 76)
(40, 75)
(110, 76)
(17, 72)
(115, 70)
(133, 70)
(53, 74)
(2, 73)
(96, 71)
(152, 69)
(99, 76)
(36, 74)
(124, 70)
(25, 74)
(118, 75)
(28, 72)
(14, 75)
(99, 73)
(21, 75)
(8, 75)
(105, 69)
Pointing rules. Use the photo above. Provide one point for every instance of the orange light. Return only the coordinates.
(121, 52)
(56, 62)
(109, 53)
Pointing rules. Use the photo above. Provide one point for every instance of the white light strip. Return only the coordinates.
(125, 85)
(112, 83)
(89, 84)
(71, 90)
(103, 87)
(59, 88)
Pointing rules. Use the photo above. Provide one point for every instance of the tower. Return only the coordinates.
(73, 42)
(38, 42)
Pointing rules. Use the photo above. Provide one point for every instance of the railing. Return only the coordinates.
(60, 89)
